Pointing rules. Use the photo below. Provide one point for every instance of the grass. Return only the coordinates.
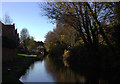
(18, 67)
(27, 55)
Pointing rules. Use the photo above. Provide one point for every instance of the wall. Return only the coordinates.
(10, 40)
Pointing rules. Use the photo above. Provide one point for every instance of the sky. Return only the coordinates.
(28, 15)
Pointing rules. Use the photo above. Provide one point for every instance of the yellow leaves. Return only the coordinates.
(70, 29)
(62, 6)
(62, 37)
(94, 12)
(69, 11)
(66, 12)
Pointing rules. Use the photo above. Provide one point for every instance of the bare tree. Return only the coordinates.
(24, 35)
(7, 20)
(88, 19)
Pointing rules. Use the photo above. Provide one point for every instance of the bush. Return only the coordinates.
(78, 56)
(57, 50)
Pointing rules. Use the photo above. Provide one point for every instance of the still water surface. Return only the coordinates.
(49, 71)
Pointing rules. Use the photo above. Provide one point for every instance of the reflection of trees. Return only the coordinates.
(32, 66)
(25, 75)
(62, 74)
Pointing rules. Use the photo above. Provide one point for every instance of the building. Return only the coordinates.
(10, 41)
(40, 47)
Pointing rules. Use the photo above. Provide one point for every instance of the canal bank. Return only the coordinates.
(12, 72)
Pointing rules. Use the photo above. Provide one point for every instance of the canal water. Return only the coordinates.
(50, 71)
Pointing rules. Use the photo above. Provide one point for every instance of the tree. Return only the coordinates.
(27, 42)
(63, 34)
(31, 44)
(89, 19)
(66, 33)
(74, 15)
(24, 36)
(7, 20)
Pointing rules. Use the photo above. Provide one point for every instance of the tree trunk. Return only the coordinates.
(100, 28)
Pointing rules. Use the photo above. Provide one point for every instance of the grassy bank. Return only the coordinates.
(12, 72)
(27, 55)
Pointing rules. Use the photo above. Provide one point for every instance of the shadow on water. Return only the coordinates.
(85, 75)
(50, 70)
(62, 73)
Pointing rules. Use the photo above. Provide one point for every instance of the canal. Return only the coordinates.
(49, 70)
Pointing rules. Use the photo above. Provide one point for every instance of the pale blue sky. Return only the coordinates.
(28, 15)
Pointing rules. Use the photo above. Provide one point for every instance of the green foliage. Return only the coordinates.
(27, 42)
(78, 56)
(60, 38)
(27, 55)
(31, 44)
(57, 50)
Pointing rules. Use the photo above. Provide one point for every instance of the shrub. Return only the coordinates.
(57, 50)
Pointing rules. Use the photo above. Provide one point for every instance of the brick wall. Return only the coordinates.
(10, 39)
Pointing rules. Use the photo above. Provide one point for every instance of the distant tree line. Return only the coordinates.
(27, 43)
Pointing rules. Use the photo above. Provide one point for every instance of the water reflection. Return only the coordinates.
(37, 73)
(50, 70)
(61, 73)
